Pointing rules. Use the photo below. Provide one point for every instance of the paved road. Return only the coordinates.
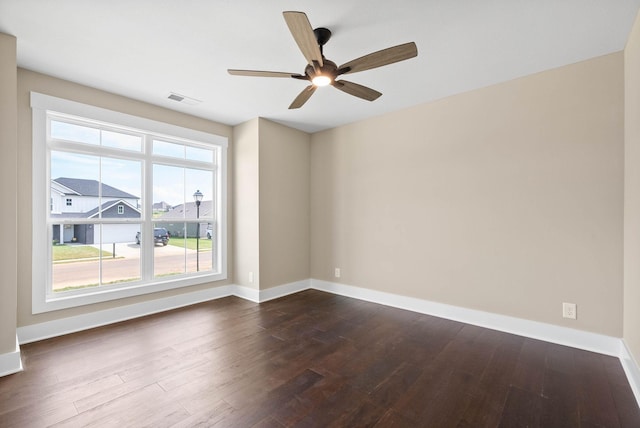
(126, 266)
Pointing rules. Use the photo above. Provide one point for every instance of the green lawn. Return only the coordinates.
(205, 244)
(73, 252)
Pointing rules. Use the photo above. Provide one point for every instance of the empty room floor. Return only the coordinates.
(310, 359)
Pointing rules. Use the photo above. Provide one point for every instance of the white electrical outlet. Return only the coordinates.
(569, 311)
(250, 277)
(337, 272)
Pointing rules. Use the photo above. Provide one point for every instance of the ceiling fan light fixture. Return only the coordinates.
(321, 80)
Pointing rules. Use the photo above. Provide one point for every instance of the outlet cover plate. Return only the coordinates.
(569, 311)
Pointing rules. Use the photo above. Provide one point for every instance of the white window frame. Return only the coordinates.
(120, 209)
(43, 299)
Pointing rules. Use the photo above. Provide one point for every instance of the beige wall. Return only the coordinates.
(245, 204)
(271, 204)
(8, 148)
(30, 81)
(284, 204)
(506, 199)
(632, 193)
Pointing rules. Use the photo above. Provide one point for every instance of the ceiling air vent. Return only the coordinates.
(183, 99)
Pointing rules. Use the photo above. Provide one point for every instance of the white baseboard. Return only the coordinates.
(11, 362)
(537, 330)
(260, 296)
(284, 290)
(631, 368)
(247, 293)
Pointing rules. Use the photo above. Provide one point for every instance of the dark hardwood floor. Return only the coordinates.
(310, 360)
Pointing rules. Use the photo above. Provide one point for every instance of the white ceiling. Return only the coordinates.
(145, 49)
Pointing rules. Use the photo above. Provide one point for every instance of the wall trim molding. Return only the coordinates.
(11, 362)
(551, 333)
(284, 290)
(631, 369)
(608, 345)
(247, 293)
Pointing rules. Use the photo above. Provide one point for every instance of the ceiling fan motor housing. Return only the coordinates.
(329, 69)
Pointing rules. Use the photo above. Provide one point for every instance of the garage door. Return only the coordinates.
(119, 233)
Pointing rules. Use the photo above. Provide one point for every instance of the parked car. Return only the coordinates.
(160, 236)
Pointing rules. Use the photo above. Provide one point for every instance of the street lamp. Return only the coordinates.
(198, 198)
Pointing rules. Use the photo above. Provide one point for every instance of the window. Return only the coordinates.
(109, 242)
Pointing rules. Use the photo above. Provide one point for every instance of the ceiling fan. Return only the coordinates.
(322, 72)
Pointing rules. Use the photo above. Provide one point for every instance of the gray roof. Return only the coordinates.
(188, 211)
(109, 204)
(91, 187)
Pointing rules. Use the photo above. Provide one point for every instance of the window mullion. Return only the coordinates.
(147, 244)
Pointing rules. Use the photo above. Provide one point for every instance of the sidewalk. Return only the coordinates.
(131, 249)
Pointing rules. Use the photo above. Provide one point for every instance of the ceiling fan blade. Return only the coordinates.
(258, 73)
(303, 97)
(302, 33)
(380, 58)
(357, 90)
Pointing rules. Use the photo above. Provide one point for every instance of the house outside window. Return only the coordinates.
(108, 173)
